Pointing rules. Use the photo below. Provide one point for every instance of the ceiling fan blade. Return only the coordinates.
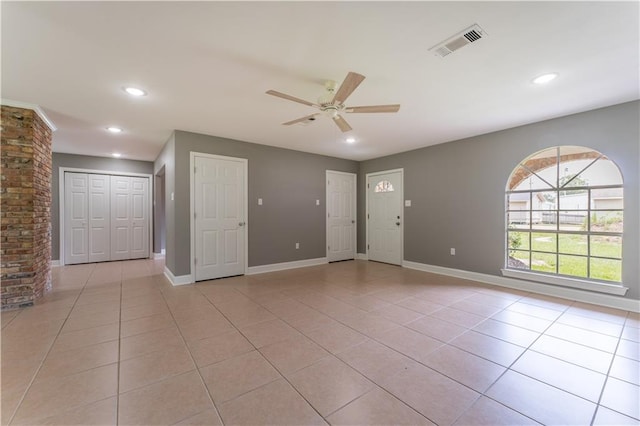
(299, 120)
(350, 83)
(342, 123)
(374, 108)
(289, 97)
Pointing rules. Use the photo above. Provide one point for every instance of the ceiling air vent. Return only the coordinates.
(464, 37)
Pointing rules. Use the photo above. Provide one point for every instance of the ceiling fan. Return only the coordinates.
(332, 104)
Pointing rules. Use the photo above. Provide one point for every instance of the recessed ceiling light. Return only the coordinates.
(545, 78)
(116, 154)
(351, 140)
(134, 91)
(114, 129)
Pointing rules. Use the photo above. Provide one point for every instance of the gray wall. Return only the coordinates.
(159, 223)
(288, 181)
(165, 163)
(457, 188)
(84, 162)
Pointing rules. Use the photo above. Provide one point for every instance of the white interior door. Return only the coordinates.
(120, 217)
(76, 223)
(219, 210)
(341, 216)
(99, 224)
(139, 218)
(384, 213)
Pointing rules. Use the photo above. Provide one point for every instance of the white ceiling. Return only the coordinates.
(206, 66)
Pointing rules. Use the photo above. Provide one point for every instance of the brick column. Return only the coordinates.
(25, 211)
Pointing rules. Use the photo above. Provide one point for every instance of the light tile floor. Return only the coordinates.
(346, 343)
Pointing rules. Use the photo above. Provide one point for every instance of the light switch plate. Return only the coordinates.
(317, 202)
(407, 203)
(259, 201)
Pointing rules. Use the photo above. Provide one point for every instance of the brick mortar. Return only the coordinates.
(25, 211)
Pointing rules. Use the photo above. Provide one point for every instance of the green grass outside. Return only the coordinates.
(569, 245)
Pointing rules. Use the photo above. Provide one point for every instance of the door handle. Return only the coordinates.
(398, 223)
(241, 223)
(353, 221)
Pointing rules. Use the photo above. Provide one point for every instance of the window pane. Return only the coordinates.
(384, 186)
(572, 265)
(574, 199)
(602, 172)
(607, 199)
(544, 220)
(518, 259)
(522, 179)
(606, 221)
(543, 242)
(544, 262)
(573, 220)
(518, 240)
(606, 269)
(606, 246)
(518, 219)
(545, 200)
(572, 244)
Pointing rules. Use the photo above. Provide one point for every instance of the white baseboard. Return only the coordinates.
(163, 252)
(158, 255)
(179, 280)
(252, 270)
(546, 289)
(362, 256)
(55, 263)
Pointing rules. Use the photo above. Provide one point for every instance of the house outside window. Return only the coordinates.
(564, 215)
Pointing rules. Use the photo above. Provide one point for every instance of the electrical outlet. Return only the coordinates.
(453, 252)
(317, 202)
(297, 246)
(259, 201)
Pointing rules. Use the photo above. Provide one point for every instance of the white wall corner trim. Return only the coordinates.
(55, 263)
(534, 287)
(179, 280)
(252, 270)
(362, 256)
(36, 108)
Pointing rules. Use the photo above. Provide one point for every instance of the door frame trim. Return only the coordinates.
(355, 210)
(366, 191)
(61, 201)
(192, 206)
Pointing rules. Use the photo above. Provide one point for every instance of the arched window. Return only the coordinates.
(565, 215)
(384, 186)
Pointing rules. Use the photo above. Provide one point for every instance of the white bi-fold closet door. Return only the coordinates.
(106, 218)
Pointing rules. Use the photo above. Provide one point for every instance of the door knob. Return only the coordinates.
(353, 221)
(398, 223)
(241, 223)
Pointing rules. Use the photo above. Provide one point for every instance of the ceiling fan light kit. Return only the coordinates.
(331, 103)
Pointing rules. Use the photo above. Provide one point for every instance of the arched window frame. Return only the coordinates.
(531, 168)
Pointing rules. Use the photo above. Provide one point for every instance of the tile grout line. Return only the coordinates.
(197, 369)
(265, 358)
(606, 379)
(507, 369)
(119, 345)
(47, 353)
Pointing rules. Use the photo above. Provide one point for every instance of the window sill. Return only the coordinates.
(600, 287)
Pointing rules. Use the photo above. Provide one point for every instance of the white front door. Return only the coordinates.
(220, 217)
(341, 216)
(384, 217)
(76, 223)
(99, 224)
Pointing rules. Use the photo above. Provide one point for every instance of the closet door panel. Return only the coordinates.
(76, 220)
(120, 217)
